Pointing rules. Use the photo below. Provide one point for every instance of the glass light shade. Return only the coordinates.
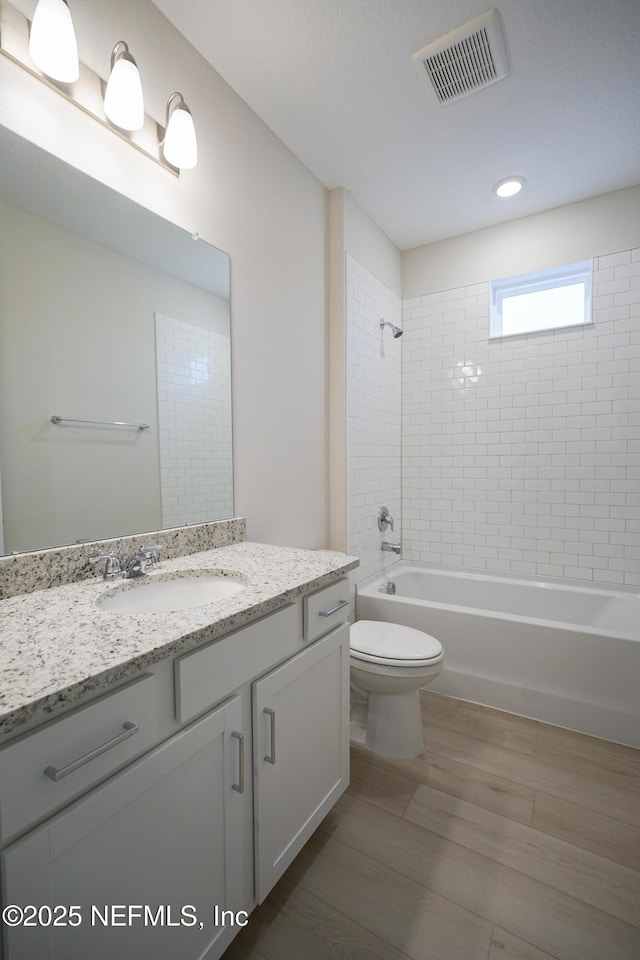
(52, 41)
(123, 100)
(509, 187)
(180, 147)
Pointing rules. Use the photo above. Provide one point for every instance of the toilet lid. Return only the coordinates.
(381, 642)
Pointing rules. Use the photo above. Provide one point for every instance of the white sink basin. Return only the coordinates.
(155, 595)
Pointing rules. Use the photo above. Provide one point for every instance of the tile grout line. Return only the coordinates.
(350, 920)
(381, 863)
(529, 823)
(535, 789)
(462, 763)
(554, 839)
(551, 764)
(517, 783)
(491, 939)
(552, 956)
(498, 863)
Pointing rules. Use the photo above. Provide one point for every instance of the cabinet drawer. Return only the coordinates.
(326, 609)
(55, 763)
(208, 675)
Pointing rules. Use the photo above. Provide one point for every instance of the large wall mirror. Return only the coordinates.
(117, 322)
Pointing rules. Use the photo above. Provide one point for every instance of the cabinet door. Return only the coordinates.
(301, 751)
(164, 834)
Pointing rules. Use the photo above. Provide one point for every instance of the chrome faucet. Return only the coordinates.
(142, 561)
(391, 547)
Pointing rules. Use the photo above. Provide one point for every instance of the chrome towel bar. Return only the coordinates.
(104, 423)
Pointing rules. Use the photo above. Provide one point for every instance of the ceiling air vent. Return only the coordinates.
(465, 60)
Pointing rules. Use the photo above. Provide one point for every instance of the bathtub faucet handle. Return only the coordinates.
(384, 519)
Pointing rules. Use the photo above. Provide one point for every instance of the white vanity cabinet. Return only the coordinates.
(165, 857)
(138, 864)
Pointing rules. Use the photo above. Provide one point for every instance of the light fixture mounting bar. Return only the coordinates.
(87, 93)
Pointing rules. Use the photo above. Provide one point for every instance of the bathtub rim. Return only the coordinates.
(366, 586)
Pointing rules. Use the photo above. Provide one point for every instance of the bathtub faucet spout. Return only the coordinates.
(391, 547)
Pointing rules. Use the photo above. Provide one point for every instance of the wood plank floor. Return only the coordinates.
(507, 839)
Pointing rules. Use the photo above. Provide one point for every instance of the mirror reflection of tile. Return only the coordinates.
(194, 421)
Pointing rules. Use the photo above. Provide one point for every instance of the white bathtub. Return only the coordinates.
(558, 651)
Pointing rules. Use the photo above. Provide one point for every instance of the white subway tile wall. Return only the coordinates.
(522, 454)
(374, 429)
(194, 422)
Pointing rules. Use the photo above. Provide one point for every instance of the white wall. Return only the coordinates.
(352, 234)
(366, 242)
(577, 231)
(249, 196)
(374, 426)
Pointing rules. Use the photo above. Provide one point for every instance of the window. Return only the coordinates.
(544, 300)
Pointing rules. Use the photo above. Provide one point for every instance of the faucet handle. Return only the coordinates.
(146, 548)
(146, 556)
(151, 552)
(112, 567)
(384, 519)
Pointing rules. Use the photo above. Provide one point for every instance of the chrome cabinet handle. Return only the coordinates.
(339, 606)
(129, 730)
(271, 756)
(239, 786)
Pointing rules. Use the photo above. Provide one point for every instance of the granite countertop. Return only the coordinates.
(57, 645)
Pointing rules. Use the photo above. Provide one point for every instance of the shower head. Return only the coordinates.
(396, 331)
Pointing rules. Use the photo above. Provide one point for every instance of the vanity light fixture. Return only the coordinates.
(509, 186)
(179, 145)
(123, 100)
(47, 50)
(52, 41)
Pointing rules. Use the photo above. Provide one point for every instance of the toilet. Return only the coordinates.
(389, 663)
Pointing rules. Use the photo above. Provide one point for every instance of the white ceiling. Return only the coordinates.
(335, 81)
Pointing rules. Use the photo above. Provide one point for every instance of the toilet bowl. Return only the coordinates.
(389, 663)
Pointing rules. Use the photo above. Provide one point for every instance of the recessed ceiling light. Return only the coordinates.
(509, 186)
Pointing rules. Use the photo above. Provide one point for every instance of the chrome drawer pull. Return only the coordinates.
(339, 606)
(271, 757)
(239, 786)
(129, 729)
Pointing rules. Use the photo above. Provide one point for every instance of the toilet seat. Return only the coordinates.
(393, 644)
